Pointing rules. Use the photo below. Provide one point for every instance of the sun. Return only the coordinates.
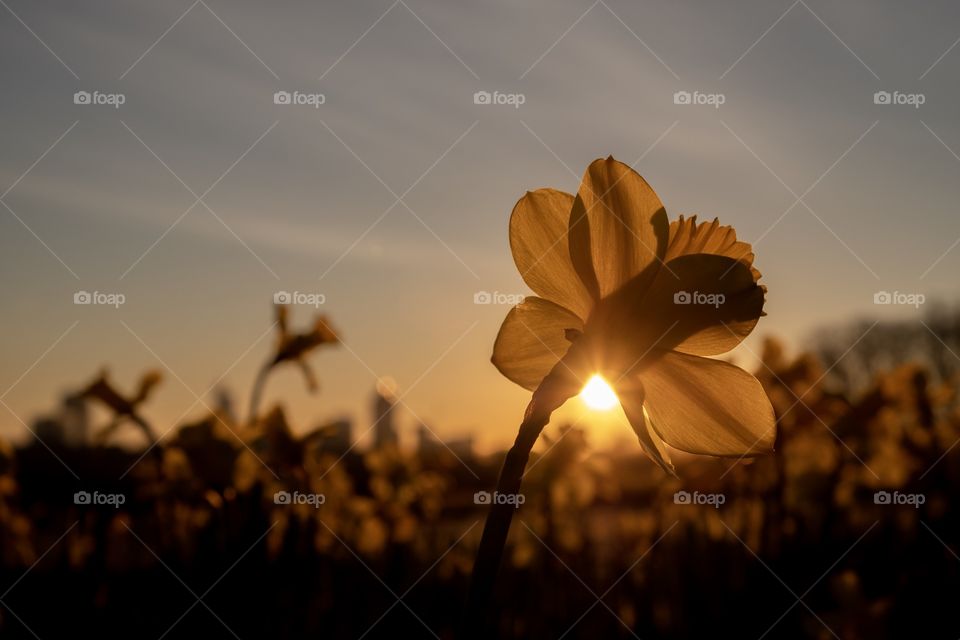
(598, 395)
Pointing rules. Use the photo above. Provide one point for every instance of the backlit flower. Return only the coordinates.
(292, 347)
(124, 407)
(625, 294)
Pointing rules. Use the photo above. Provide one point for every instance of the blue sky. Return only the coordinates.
(392, 198)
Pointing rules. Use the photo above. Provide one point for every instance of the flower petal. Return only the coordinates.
(532, 340)
(631, 400)
(708, 407)
(541, 249)
(688, 237)
(618, 227)
(701, 304)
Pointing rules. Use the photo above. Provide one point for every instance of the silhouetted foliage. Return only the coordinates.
(604, 524)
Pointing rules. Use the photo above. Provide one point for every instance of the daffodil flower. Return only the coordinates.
(123, 407)
(641, 302)
(292, 347)
(626, 295)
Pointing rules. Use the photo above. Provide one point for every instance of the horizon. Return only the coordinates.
(199, 198)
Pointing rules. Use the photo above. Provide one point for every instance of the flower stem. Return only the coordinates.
(257, 392)
(547, 398)
(145, 427)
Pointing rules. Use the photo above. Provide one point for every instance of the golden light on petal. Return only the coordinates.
(608, 268)
(598, 395)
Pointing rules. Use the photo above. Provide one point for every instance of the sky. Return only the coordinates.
(199, 197)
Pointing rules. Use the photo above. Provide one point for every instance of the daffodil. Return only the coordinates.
(293, 347)
(642, 302)
(124, 407)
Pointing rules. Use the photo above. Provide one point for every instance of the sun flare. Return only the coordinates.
(598, 395)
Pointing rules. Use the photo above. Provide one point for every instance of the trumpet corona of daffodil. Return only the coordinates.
(624, 294)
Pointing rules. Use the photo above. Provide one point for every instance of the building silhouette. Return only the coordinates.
(75, 417)
(384, 403)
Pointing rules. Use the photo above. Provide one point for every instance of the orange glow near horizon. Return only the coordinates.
(598, 395)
